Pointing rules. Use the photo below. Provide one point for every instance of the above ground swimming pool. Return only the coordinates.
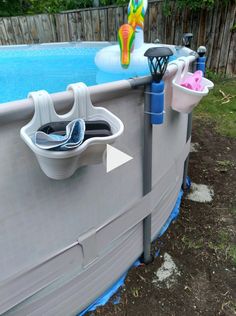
(65, 242)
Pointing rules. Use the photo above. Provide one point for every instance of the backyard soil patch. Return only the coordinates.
(200, 245)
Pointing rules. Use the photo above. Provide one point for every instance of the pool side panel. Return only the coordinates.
(91, 210)
(116, 228)
(38, 209)
(66, 297)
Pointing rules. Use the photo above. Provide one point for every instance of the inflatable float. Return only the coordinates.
(127, 59)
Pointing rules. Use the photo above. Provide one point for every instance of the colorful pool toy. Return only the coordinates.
(136, 13)
(194, 82)
(126, 35)
(128, 56)
(127, 59)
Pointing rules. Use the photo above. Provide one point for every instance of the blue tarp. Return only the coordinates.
(104, 298)
(174, 214)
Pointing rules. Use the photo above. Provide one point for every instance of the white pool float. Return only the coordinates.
(127, 57)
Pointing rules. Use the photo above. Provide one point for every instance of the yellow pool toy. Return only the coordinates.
(136, 12)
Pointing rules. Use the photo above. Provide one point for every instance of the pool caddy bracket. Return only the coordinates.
(62, 164)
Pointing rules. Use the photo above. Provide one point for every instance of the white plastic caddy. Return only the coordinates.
(183, 99)
(62, 164)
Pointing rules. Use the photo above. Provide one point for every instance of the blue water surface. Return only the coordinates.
(51, 68)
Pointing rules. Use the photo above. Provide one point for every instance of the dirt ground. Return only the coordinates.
(201, 244)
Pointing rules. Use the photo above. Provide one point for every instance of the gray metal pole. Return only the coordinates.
(189, 132)
(147, 176)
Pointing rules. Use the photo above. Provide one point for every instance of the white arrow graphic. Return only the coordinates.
(116, 158)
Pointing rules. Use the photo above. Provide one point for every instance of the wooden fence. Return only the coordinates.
(213, 28)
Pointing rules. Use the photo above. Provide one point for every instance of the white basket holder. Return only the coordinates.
(62, 164)
(183, 99)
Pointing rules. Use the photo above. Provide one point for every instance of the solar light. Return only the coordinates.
(201, 51)
(187, 38)
(201, 60)
(158, 58)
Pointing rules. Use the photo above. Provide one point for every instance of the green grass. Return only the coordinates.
(224, 165)
(224, 246)
(213, 107)
(192, 243)
(232, 253)
(233, 210)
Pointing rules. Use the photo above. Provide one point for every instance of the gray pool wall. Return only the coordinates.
(65, 242)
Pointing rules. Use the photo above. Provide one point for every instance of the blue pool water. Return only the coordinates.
(51, 68)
